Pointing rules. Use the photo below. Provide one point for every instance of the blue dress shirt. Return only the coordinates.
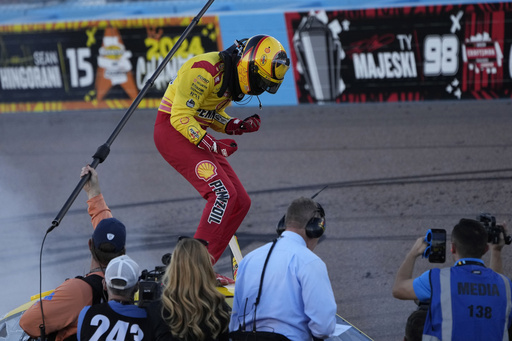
(296, 299)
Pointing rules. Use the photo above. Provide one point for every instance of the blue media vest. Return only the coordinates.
(469, 302)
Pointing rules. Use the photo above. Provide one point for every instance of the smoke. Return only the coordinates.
(24, 223)
(31, 186)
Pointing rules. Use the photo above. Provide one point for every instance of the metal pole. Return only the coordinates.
(103, 150)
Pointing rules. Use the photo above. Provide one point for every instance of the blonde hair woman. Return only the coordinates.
(191, 307)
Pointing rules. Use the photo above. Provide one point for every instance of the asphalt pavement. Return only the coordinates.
(392, 172)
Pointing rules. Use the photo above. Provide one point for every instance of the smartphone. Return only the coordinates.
(437, 246)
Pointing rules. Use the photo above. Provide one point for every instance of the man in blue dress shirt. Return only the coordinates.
(296, 298)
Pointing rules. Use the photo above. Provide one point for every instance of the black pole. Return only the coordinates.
(103, 150)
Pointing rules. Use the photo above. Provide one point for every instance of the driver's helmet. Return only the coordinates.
(262, 65)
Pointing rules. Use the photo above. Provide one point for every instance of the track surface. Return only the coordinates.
(393, 171)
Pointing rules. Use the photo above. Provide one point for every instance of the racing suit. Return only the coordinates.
(189, 106)
(62, 307)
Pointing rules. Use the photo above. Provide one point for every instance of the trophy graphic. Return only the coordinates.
(319, 56)
(114, 66)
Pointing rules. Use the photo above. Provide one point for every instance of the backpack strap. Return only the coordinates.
(96, 282)
(98, 295)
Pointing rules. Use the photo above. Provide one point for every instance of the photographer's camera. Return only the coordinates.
(150, 282)
(493, 230)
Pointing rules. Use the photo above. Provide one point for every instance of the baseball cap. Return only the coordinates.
(122, 273)
(110, 231)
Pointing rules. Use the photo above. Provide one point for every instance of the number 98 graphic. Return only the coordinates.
(441, 55)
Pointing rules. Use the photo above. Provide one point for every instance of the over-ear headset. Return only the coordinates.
(314, 228)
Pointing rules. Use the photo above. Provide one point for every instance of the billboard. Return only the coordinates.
(94, 64)
(402, 54)
(427, 52)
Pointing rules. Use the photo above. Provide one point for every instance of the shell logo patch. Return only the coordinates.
(193, 132)
(184, 120)
(206, 170)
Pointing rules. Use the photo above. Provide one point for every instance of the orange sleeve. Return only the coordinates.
(61, 309)
(98, 210)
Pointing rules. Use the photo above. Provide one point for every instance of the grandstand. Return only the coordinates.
(30, 11)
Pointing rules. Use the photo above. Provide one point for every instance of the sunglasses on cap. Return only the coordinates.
(202, 241)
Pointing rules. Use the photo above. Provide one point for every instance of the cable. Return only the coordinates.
(42, 327)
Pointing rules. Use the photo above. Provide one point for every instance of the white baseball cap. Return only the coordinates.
(122, 273)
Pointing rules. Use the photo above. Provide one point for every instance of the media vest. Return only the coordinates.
(468, 302)
(102, 323)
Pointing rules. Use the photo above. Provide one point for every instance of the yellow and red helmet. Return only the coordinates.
(262, 65)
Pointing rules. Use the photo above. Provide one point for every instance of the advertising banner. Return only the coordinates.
(402, 54)
(94, 64)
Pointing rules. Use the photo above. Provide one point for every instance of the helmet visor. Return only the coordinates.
(267, 85)
(272, 84)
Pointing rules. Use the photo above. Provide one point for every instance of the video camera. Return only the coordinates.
(493, 230)
(150, 282)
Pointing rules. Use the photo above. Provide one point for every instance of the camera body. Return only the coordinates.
(150, 282)
(493, 230)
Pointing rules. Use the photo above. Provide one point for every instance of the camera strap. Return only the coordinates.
(254, 335)
(261, 285)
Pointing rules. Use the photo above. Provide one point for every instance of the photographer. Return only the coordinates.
(119, 318)
(468, 300)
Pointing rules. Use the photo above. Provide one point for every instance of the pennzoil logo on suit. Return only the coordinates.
(221, 202)
(194, 134)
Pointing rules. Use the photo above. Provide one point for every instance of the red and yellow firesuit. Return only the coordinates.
(191, 105)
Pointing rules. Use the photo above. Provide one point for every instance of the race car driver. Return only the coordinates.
(196, 100)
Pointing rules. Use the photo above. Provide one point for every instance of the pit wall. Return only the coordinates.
(438, 52)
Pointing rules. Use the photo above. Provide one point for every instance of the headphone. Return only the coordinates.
(315, 227)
